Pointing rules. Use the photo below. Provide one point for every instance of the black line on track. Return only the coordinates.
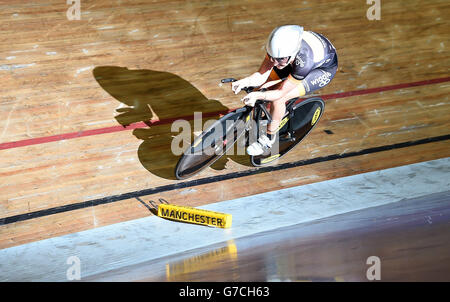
(207, 180)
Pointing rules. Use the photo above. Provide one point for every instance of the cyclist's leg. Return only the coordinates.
(319, 77)
(278, 107)
(277, 111)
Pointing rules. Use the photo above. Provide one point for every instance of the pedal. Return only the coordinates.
(288, 138)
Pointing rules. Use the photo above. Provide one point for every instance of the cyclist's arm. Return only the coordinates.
(262, 75)
(256, 79)
(272, 80)
(287, 89)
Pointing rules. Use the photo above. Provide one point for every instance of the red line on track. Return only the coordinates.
(384, 88)
(64, 136)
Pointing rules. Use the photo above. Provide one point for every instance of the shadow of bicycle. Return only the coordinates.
(150, 94)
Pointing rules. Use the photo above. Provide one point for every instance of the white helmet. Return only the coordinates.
(284, 41)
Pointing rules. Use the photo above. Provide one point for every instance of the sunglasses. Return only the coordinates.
(280, 60)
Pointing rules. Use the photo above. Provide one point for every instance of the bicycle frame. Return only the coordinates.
(260, 106)
(293, 128)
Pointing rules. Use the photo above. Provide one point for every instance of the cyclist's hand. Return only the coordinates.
(251, 98)
(239, 85)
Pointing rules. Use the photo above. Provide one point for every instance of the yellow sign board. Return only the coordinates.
(194, 215)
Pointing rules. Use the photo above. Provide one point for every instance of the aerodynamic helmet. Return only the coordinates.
(284, 41)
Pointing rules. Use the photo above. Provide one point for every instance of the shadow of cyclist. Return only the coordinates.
(148, 95)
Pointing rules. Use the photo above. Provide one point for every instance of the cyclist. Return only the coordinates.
(297, 63)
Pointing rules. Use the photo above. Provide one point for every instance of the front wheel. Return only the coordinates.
(212, 143)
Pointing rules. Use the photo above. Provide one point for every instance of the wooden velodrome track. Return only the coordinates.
(87, 105)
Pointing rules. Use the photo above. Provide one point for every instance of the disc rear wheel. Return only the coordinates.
(306, 115)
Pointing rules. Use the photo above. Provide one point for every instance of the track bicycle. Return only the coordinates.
(246, 124)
